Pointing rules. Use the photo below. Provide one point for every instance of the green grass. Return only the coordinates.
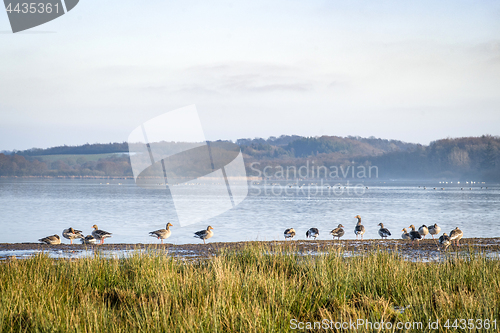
(249, 290)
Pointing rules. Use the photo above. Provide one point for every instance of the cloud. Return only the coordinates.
(279, 87)
(247, 78)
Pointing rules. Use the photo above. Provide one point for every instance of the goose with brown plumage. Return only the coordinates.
(414, 235)
(405, 235)
(423, 231)
(204, 234)
(162, 233)
(444, 241)
(89, 239)
(359, 229)
(51, 240)
(383, 232)
(71, 234)
(289, 233)
(312, 233)
(456, 235)
(338, 232)
(434, 230)
(100, 235)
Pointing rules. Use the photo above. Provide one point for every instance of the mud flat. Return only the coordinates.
(426, 250)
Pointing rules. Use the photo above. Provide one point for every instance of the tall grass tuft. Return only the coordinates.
(259, 288)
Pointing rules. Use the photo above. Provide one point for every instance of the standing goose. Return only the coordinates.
(100, 234)
(162, 233)
(423, 230)
(204, 234)
(383, 232)
(337, 232)
(444, 240)
(289, 233)
(434, 230)
(51, 240)
(405, 235)
(359, 229)
(71, 234)
(456, 235)
(313, 232)
(88, 240)
(414, 235)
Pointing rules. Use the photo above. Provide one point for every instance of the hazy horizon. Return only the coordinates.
(234, 140)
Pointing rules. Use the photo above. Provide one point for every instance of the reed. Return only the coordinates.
(259, 288)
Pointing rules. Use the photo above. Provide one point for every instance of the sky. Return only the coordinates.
(415, 71)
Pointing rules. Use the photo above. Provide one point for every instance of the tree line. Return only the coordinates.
(18, 165)
(459, 158)
(86, 149)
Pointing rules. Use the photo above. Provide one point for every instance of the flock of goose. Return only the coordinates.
(99, 235)
(414, 235)
(70, 233)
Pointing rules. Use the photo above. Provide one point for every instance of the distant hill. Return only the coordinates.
(96, 148)
(337, 148)
(459, 158)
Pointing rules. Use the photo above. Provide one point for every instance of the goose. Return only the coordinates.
(405, 235)
(337, 232)
(204, 234)
(100, 235)
(359, 229)
(162, 233)
(71, 234)
(444, 240)
(51, 240)
(289, 233)
(434, 230)
(88, 240)
(414, 235)
(423, 230)
(313, 232)
(383, 232)
(456, 235)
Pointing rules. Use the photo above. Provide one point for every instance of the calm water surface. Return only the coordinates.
(35, 208)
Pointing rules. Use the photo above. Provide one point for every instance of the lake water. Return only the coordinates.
(34, 208)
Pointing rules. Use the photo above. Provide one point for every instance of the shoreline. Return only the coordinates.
(285, 180)
(427, 250)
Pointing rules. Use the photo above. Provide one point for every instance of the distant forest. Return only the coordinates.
(97, 148)
(466, 158)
